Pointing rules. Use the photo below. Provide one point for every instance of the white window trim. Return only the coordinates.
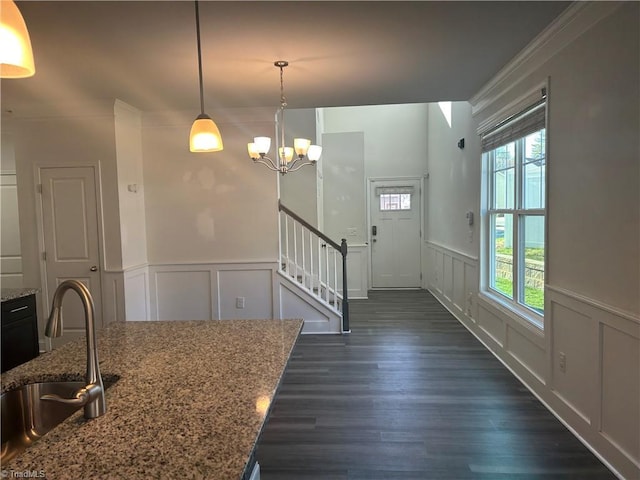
(527, 317)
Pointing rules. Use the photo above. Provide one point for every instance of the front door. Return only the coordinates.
(394, 211)
(71, 247)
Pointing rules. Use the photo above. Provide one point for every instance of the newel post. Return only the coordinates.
(345, 298)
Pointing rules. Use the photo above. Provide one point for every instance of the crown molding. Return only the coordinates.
(569, 25)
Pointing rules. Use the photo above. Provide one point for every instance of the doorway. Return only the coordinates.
(395, 233)
(69, 240)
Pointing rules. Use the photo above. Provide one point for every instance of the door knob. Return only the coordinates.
(94, 268)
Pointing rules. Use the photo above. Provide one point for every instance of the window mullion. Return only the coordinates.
(517, 224)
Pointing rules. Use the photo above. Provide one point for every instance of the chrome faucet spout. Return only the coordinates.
(94, 404)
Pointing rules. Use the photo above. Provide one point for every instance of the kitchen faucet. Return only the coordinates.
(91, 396)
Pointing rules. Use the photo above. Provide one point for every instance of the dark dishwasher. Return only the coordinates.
(19, 331)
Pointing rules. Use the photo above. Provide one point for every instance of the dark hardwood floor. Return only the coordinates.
(410, 394)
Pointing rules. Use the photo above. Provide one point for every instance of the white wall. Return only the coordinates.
(590, 60)
(208, 207)
(128, 138)
(298, 189)
(394, 136)
(344, 188)
(453, 186)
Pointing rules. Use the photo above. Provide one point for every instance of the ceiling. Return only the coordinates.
(341, 53)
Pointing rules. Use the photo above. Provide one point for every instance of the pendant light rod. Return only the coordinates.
(199, 58)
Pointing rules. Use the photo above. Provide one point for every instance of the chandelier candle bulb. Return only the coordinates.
(301, 146)
(263, 144)
(286, 153)
(314, 153)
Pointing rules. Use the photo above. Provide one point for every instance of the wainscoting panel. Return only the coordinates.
(357, 271)
(452, 275)
(621, 390)
(112, 297)
(492, 324)
(211, 291)
(471, 289)
(245, 293)
(184, 295)
(596, 393)
(457, 287)
(529, 354)
(136, 293)
(573, 338)
(606, 351)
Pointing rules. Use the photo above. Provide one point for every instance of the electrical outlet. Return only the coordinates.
(239, 302)
(563, 362)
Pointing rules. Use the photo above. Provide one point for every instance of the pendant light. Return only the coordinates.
(204, 135)
(16, 55)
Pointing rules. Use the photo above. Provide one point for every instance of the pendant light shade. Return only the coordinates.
(16, 55)
(205, 135)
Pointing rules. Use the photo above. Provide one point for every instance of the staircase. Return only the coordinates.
(316, 266)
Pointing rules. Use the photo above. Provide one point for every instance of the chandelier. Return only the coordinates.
(305, 153)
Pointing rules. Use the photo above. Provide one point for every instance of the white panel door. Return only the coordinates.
(394, 210)
(70, 231)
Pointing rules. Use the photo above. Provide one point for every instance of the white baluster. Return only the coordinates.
(335, 278)
(304, 270)
(286, 242)
(310, 247)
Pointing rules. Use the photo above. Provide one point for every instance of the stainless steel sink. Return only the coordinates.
(26, 418)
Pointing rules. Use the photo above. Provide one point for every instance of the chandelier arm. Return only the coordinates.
(297, 165)
(267, 162)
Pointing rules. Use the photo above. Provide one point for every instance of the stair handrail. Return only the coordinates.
(308, 226)
(341, 247)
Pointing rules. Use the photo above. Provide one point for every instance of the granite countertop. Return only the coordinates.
(12, 293)
(190, 401)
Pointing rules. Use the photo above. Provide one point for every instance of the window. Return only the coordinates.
(395, 201)
(514, 155)
(394, 198)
